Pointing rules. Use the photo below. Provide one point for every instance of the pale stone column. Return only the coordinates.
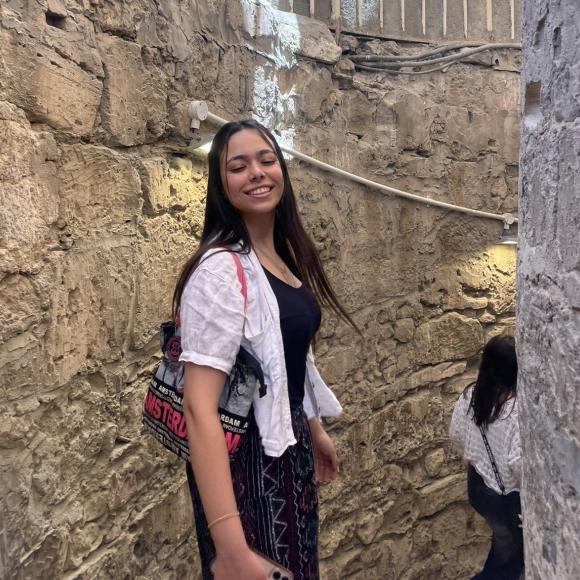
(549, 288)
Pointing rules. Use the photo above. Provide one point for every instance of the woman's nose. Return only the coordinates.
(256, 172)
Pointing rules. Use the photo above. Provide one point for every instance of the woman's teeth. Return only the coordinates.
(259, 191)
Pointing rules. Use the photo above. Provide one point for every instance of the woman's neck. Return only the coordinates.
(261, 230)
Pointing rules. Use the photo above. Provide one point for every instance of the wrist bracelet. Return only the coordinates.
(222, 518)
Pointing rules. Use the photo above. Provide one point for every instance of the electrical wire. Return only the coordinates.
(403, 72)
(424, 55)
(506, 218)
(450, 58)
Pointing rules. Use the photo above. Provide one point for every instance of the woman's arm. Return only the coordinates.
(209, 459)
(325, 457)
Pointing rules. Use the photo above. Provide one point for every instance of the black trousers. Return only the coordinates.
(505, 560)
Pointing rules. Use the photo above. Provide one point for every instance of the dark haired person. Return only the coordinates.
(484, 430)
(266, 498)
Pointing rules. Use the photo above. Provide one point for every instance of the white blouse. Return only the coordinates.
(503, 436)
(214, 324)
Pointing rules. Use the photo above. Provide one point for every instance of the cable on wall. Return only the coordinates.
(507, 218)
(393, 64)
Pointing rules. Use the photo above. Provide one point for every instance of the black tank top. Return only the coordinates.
(299, 320)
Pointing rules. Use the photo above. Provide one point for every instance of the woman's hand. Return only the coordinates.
(243, 565)
(325, 458)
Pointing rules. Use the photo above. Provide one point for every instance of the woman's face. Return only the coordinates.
(251, 174)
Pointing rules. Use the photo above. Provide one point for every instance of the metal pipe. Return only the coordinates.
(448, 58)
(427, 54)
(506, 218)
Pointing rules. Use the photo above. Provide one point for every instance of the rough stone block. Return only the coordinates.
(134, 109)
(436, 496)
(404, 329)
(412, 122)
(307, 37)
(450, 337)
(161, 257)
(29, 197)
(430, 376)
(171, 184)
(100, 193)
(123, 20)
(434, 461)
(21, 306)
(30, 73)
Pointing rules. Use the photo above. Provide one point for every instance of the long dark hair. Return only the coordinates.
(496, 381)
(223, 225)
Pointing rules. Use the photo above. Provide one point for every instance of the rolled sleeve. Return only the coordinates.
(212, 316)
(515, 455)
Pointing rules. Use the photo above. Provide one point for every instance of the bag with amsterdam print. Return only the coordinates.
(163, 409)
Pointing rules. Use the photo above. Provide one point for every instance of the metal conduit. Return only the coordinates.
(507, 218)
(425, 57)
(378, 63)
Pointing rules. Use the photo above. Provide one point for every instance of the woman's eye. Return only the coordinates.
(237, 169)
(269, 161)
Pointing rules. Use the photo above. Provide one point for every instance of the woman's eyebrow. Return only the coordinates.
(245, 157)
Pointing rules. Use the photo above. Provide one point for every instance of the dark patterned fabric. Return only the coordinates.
(277, 499)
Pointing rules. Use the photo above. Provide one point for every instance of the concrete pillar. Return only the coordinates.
(548, 336)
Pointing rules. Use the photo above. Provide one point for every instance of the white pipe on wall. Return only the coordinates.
(506, 218)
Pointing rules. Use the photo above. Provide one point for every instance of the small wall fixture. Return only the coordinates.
(507, 240)
(202, 145)
(197, 113)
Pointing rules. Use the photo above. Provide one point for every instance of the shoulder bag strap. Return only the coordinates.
(493, 463)
(241, 276)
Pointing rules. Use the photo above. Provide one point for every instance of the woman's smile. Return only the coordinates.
(260, 191)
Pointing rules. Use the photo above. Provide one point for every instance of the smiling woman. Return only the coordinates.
(265, 497)
(252, 175)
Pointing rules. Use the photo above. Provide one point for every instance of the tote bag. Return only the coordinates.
(163, 416)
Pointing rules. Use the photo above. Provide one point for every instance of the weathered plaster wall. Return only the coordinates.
(549, 289)
(100, 205)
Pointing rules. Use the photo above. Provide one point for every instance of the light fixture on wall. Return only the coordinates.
(203, 145)
(509, 236)
(507, 240)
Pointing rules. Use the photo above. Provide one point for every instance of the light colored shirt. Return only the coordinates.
(503, 436)
(214, 324)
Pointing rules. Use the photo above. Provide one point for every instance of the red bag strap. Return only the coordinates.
(241, 276)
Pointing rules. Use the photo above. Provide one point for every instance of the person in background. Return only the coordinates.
(265, 498)
(484, 431)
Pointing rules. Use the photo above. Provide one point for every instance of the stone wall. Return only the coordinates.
(102, 203)
(549, 289)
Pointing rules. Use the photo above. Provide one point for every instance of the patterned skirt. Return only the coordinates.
(277, 498)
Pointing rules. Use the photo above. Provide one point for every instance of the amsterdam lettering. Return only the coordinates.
(164, 412)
